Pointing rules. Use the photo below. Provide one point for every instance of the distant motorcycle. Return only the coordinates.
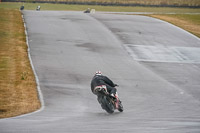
(38, 8)
(22, 8)
(109, 103)
(87, 11)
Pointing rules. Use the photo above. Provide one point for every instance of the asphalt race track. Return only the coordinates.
(156, 64)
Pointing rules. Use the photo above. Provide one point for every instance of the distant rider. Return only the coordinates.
(102, 82)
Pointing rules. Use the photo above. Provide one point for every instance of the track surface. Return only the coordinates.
(155, 63)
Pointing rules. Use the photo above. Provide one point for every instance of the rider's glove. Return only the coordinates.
(116, 85)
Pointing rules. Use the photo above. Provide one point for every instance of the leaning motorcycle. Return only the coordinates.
(109, 103)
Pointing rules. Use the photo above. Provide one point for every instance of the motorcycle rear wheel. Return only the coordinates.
(108, 106)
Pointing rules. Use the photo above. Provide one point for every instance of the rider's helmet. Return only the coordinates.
(98, 73)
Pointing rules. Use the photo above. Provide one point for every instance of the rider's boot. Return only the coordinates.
(116, 100)
(118, 103)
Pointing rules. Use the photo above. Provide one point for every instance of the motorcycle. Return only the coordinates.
(108, 102)
(87, 11)
(22, 8)
(38, 8)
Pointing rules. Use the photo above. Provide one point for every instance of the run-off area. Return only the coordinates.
(164, 53)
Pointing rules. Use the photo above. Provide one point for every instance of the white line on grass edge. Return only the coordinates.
(40, 96)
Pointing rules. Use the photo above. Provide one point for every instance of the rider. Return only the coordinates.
(102, 82)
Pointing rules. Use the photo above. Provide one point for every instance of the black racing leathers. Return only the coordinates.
(99, 80)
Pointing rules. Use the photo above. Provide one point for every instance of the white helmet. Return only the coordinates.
(98, 73)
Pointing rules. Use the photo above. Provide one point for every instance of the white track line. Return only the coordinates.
(31, 62)
(40, 96)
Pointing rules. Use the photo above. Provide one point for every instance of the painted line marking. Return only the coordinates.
(164, 54)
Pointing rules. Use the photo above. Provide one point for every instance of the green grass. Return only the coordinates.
(32, 6)
(193, 18)
(129, 2)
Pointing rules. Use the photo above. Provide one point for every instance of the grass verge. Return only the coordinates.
(18, 94)
(171, 3)
(188, 22)
(58, 7)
